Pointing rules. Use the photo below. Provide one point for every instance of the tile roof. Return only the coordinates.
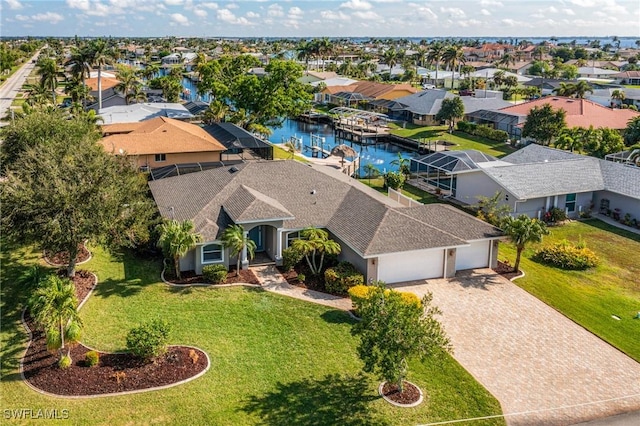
(160, 135)
(371, 89)
(579, 112)
(365, 220)
(107, 83)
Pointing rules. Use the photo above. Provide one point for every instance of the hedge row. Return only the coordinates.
(483, 131)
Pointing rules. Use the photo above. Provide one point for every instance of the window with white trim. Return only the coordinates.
(291, 237)
(161, 158)
(212, 253)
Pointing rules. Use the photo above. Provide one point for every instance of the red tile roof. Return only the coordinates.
(579, 112)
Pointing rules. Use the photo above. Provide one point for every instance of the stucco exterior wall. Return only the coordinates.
(179, 158)
(471, 185)
(624, 203)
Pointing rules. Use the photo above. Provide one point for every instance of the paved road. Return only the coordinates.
(542, 367)
(12, 86)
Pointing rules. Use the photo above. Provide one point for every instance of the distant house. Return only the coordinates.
(603, 97)
(274, 200)
(534, 179)
(596, 73)
(178, 58)
(160, 142)
(365, 90)
(144, 111)
(489, 74)
(547, 85)
(317, 76)
(579, 113)
(631, 78)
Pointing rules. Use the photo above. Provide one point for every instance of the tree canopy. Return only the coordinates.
(544, 124)
(64, 190)
(522, 231)
(451, 110)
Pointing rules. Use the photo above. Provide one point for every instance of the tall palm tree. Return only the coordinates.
(434, 56)
(100, 56)
(54, 306)
(581, 88)
(236, 240)
(371, 171)
(498, 78)
(48, 71)
(127, 81)
(390, 57)
(136, 95)
(565, 89)
(176, 239)
(80, 63)
(150, 71)
(453, 56)
(402, 163)
(522, 231)
(617, 95)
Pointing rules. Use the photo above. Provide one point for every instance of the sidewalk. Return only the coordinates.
(272, 280)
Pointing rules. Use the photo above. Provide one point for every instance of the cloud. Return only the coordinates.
(78, 4)
(174, 2)
(50, 17)
(209, 5)
(14, 4)
(585, 3)
(295, 12)
(231, 6)
(200, 13)
(569, 12)
(228, 16)
(454, 12)
(426, 13)
(252, 15)
(368, 16)
(179, 18)
(485, 12)
(330, 15)
(491, 3)
(275, 10)
(356, 5)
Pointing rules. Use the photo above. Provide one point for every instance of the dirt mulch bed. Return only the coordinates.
(506, 270)
(119, 372)
(409, 395)
(62, 257)
(188, 278)
(311, 282)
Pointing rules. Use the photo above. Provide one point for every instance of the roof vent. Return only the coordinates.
(233, 169)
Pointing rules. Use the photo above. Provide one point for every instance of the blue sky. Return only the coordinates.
(333, 18)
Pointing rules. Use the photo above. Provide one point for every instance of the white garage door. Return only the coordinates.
(413, 265)
(474, 256)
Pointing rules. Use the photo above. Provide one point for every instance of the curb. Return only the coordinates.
(54, 395)
(397, 404)
(522, 274)
(59, 265)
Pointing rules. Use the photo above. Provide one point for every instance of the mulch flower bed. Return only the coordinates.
(62, 257)
(117, 372)
(409, 395)
(311, 282)
(187, 278)
(506, 270)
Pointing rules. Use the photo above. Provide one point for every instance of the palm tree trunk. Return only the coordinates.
(176, 266)
(306, 256)
(516, 266)
(61, 334)
(99, 87)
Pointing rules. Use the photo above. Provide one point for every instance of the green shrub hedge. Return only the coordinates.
(340, 279)
(290, 258)
(483, 131)
(215, 274)
(567, 256)
(92, 358)
(149, 340)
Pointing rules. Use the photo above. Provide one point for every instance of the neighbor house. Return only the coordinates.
(274, 200)
(144, 111)
(161, 142)
(534, 179)
(365, 90)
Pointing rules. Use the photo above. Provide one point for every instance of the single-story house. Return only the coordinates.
(317, 76)
(627, 77)
(144, 111)
(547, 85)
(274, 200)
(534, 179)
(579, 113)
(603, 97)
(597, 73)
(367, 90)
(489, 73)
(161, 142)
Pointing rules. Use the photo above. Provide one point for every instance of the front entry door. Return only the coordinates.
(257, 236)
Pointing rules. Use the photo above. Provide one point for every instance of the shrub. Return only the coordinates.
(291, 257)
(554, 215)
(567, 256)
(340, 279)
(149, 340)
(359, 293)
(410, 298)
(216, 274)
(483, 131)
(92, 358)
(394, 180)
(301, 278)
(65, 362)
(193, 355)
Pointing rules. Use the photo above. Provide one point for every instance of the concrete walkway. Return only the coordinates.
(272, 280)
(542, 367)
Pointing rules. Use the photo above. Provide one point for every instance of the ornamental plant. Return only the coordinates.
(567, 256)
(215, 274)
(149, 340)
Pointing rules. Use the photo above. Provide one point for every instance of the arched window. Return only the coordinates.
(212, 253)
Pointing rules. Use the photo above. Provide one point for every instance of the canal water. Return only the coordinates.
(380, 154)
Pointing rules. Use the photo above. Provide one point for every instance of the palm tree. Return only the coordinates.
(80, 64)
(617, 95)
(372, 171)
(435, 56)
(136, 95)
(567, 141)
(581, 88)
(452, 56)
(510, 81)
(498, 78)
(100, 56)
(176, 239)
(216, 112)
(305, 52)
(506, 60)
(314, 242)
(634, 154)
(128, 81)
(54, 307)
(523, 230)
(402, 163)
(150, 71)
(48, 71)
(237, 240)
(632, 132)
(565, 89)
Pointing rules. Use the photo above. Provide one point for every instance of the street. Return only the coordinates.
(12, 86)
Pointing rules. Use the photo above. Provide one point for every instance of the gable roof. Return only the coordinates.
(233, 136)
(425, 102)
(372, 89)
(107, 83)
(159, 135)
(143, 111)
(368, 222)
(579, 112)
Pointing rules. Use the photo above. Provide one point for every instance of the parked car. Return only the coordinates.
(428, 86)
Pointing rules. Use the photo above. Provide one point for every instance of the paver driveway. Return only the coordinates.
(543, 368)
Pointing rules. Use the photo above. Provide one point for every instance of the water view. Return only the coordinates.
(380, 155)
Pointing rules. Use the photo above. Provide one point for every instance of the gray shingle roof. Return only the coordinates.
(535, 180)
(620, 178)
(534, 153)
(453, 221)
(426, 102)
(304, 196)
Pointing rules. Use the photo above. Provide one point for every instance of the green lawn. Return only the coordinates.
(462, 140)
(408, 190)
(591, 297)
(274, 360)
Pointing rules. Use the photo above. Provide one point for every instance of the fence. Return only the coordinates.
(402, 199)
